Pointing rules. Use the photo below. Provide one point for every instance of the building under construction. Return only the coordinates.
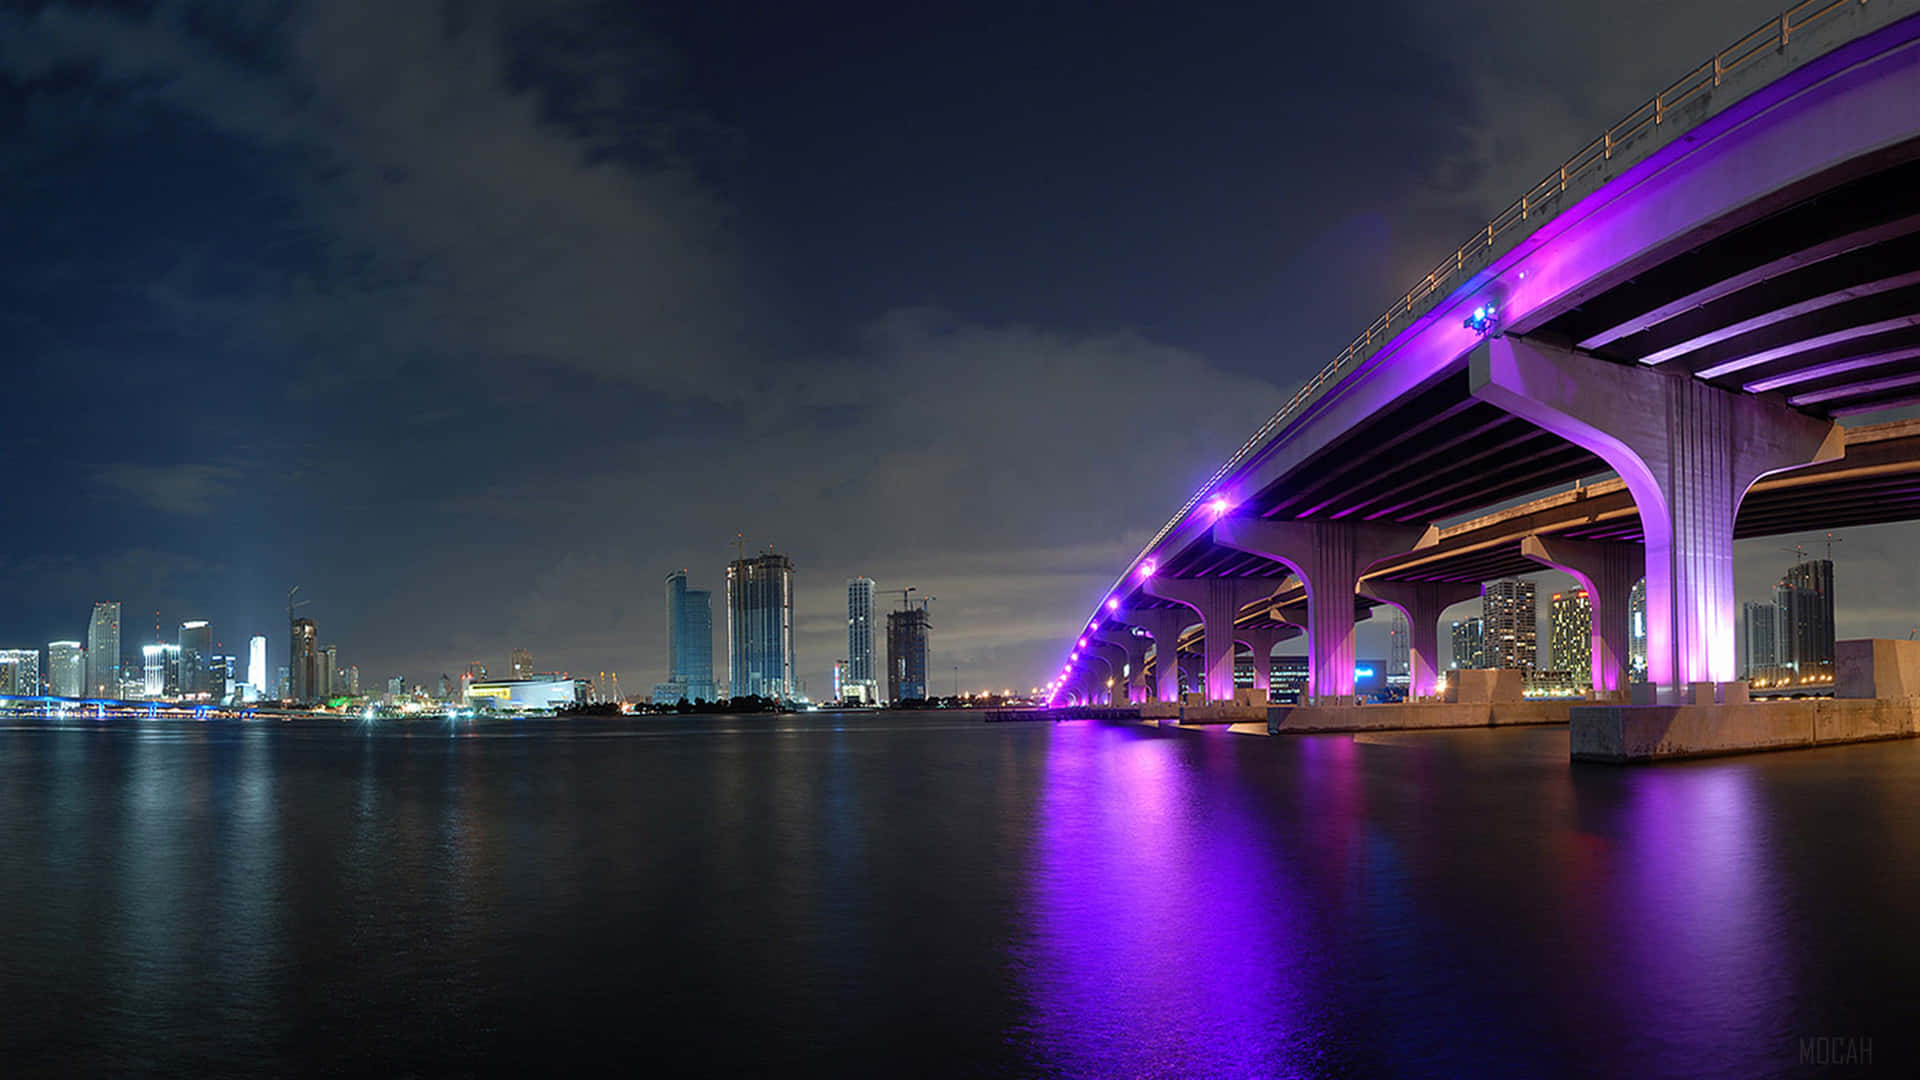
(908, 634)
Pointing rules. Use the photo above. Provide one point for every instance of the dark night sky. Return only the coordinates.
(476, 319)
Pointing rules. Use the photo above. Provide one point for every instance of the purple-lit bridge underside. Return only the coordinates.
(1696, 316)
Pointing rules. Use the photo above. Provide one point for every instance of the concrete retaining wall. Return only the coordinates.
(1639, 733)
(1413, 716)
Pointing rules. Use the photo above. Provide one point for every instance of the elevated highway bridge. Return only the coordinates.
(1691, 304)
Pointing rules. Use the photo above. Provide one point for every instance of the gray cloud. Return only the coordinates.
(192, 490)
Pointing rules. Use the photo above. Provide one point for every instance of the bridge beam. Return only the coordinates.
(1688, 452)
(1329, 557)
(1607, 570)
(1422, 602)
(1163, 625)
(1135, 648)
(1218, 602)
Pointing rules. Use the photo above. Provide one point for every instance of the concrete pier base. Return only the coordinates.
(1413, 716)
(1642, 733)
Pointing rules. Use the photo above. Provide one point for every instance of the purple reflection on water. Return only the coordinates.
(1166, 940)
(1704, 970)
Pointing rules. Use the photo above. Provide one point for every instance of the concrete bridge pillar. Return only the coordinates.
(1422, 602)
(1329, 557)
(1218, 602)
(1260, 641)
(1115, 658)
(1135, 648)
(1688, 452)
(1163, 625)
(1607, 570)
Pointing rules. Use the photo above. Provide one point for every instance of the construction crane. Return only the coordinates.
(291, 604)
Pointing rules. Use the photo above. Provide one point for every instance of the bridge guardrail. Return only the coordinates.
(1775, 34)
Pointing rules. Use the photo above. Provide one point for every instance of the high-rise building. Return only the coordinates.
(760, 627)
(520, 664)
(1803, 628)
(1637, 632)
(220, 680)
(909, 636)
(1399, 647)
(859, 678)
(257, 665)
(1759, 644)
(66, 669)
(162, 667)
(1510, 624)
(103, 651)
(1570, 636)
(196, 657)
(20, 672)
(689, 640)
(303, 662)
(353, 679)
(1469, 644)
(331, 682)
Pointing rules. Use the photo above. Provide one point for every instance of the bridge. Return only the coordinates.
(1691, 305)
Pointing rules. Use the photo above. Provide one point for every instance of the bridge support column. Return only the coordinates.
(1329, 557)
(1607, 570)
(1163, 625)
(1115, 658)
(1261, 642)
(1688, 452)
(1135, 649)
(1218, 602)
(1422, 602)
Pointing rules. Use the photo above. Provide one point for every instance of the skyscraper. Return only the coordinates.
(857, 678)
(1510, 626)
(760, 627)
(1759, 643)
(67, 669)
(1803, 628)
(520, 664)
(1469, 644)
(331, 683)
(1399, 647)
(1637, 632)
(909, 636)
(162, 667)
(303, 661)
(1570, 635)
(689, 641)
(196, 657)
(103, 651)
(257, 665)
(20, 672)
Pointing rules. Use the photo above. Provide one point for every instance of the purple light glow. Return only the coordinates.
(1113, 603)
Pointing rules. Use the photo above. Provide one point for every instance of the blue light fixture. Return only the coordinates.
(1483, 318)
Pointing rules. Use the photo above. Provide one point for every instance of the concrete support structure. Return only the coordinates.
(1115, 658)
(1135, 648)
(1218, 602)
(1688, 452)
(1163, 625)
(1192, 671)
(1260, 642)
(1329, 557)
(1422, 602)
(1608, 572)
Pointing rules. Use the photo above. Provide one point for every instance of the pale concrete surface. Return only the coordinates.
(1414, 716)
(1482, 686)
(1641, 733)
(1876, 668)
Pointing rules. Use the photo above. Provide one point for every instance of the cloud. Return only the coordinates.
(187, 490)
(462, 216)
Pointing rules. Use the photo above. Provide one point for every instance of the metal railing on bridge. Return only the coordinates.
(1537, 201)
